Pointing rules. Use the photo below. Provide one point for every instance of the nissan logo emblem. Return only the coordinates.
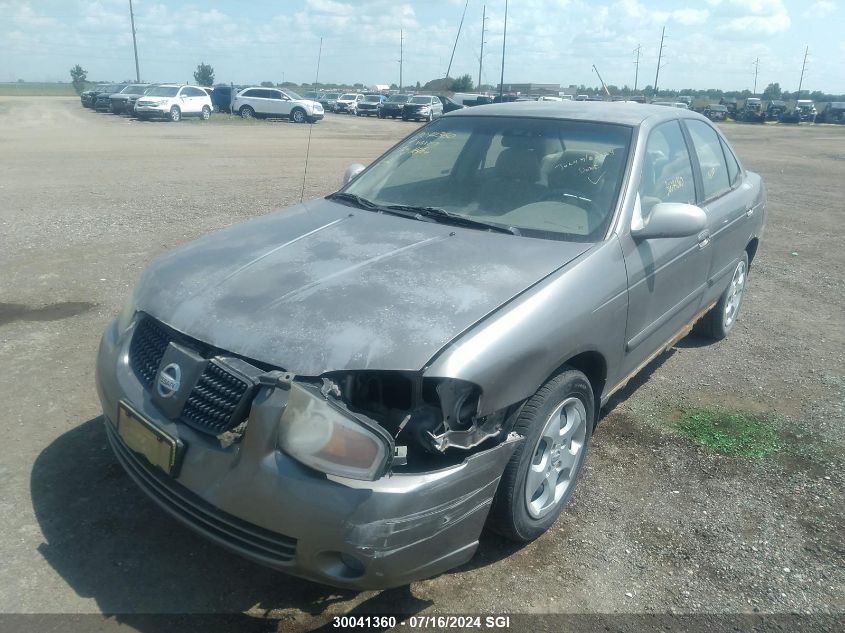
(169, 380)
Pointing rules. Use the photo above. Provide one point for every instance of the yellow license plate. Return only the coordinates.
(143, 437)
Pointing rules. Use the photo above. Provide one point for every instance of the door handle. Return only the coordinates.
(703, 239)
(749, 210)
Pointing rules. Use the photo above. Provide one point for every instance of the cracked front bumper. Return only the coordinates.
(258, 502)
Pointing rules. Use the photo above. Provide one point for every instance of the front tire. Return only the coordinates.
(721, 318)
(298, 115)
(206, 113)
(557, 423)
(175, 114)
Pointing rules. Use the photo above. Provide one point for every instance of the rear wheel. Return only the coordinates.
(557, 423)
(298, 115)
(246, 112)
(175, 114)
(206, 113)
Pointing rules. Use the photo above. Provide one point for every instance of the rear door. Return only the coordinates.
(727, 199)
(666, 276)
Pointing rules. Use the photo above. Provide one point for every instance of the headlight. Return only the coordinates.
(325, 436)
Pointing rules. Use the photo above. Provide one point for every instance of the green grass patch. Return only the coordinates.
(734, 434)
(36, 89)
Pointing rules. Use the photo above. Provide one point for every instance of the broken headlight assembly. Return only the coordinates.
(318, 431)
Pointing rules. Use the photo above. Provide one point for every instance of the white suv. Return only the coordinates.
(173, 101)
(348, 103)
(256, 102)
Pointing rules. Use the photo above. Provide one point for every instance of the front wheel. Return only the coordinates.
(175, 114)
(206, 113)
(557, 423)
(721, 318)
(298, 115)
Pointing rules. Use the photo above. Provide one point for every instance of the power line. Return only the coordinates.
(134, 42)
(483, 31)
(803, 66)
(460, 26)
(659, 58)
(504, 42)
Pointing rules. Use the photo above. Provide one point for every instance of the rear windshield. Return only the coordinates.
(372, 99)
(421, 100)
(398, 99)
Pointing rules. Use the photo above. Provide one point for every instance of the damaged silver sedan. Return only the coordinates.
(350, 390)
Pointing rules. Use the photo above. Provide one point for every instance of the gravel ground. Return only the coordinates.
(658, 524)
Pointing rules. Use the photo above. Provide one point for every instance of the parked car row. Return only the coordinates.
(175, 101)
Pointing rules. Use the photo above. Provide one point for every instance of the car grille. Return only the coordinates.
(269, 547)
(216, 403)
(213, 401)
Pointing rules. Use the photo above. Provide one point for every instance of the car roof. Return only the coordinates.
(618, 112)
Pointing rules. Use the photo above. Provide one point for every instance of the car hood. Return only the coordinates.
(323, 286)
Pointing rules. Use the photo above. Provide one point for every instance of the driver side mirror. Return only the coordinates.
(351, 172)
(671, 219)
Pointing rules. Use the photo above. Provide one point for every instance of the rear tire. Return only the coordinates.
(175, 114)
(721, 318)
(246, 112)
(557, 423)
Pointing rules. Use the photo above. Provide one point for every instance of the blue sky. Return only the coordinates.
(709, 43)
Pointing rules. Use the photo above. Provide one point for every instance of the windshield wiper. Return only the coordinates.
(363, 203)
(358, 201)
(447, 217)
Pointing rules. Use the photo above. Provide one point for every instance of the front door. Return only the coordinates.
(666, 276)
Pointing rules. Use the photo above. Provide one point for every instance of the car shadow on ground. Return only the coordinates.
(109, 542)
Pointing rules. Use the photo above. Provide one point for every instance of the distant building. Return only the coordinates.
(531, 89)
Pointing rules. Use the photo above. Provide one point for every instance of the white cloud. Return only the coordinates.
(821, 9)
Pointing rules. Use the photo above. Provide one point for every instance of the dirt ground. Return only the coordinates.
(658, 524)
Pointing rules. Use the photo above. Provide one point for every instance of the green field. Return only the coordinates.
(36, 89)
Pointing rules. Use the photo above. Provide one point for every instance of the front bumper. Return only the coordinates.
(253, 499)
(344, 107)
(151, 110)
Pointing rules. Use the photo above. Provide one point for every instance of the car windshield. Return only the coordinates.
(398, 99)
(291, 94)
(347, 98)
(331, 95)
(162, 91)
(549, 178)
(134, 89)
(421, 100)
(372, 99)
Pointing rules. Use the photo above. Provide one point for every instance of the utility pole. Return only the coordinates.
(659, 58)
(319, 56)
(401, 52)
(637, 66)
(460, 26)
(134, 43)
(504, 42)
(483, 31)
(603, 85)
(803, 66)
(756, 70)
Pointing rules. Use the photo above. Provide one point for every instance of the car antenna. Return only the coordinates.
(310, 127)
